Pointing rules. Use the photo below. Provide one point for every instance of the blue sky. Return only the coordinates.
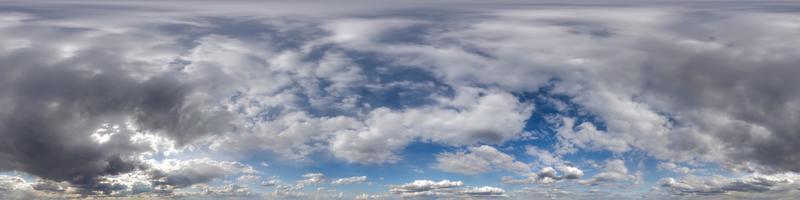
(413, 100)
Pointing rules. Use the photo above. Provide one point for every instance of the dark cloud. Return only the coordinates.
(48, 113)
(748, 103)
(676, 83)
(187, 176)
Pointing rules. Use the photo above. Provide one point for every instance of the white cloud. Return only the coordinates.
(15, 187)
(674, 168)
(756, 185)
(248, 178)
(613, 171)
(476, 116)
(444, 189)
(270, 183)
(361, 32)
(425, 188)
(587, 137)
(547, 175)
(570, 172)
(478, 160)
(171, 174)
(312, 178)
(350, 180)
(543, 156)
(485, 191)
(364, 196)
(679, 84)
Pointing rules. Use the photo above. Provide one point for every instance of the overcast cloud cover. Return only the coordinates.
(388, 100)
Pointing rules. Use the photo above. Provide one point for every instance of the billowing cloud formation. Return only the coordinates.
(96, 99)
(444, 189)
(468, 118)
(313, 178)
(674, 168)
(478, 160)
(751, 186)
(613, 171)
(51, 106)
(547, 175)
(350, 180)
(178, 174)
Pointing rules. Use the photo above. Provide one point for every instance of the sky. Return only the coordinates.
(399, 100)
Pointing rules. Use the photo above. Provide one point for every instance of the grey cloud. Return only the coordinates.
(50, 107)
(174, 174)
(188, 176)
(750, 186)
(678, 84)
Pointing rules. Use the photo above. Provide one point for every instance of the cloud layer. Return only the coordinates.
(98, 100)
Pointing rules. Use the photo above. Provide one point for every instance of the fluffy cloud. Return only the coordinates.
(71, 119)
(477, 160)
(613, 171)
(674, 168)
(548, 159)
(543, 156)
(444, 189)
(634, 93)
(100, 97)
(225, 191)
(350, 180)
(750, 186)
(312, 178)
(270, 183)
(485, 191)
(364, 196)
(14, 187)
(169, 175)
(473, 116)
(421, 188)
(547, 173)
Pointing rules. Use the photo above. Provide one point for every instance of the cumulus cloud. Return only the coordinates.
(224, 191)
(444, 189)
(15, 187)
(270, 183)
(52, 123)
(485, 191)
(674, 168)
(552, 169)
(477, 160)
(546, 158)
(750, 186)
(350, 180)
(543, 156)
(171, 174)
(547, 175)
(473, 116)
(312, 178)
(100, 97)
(365, 196)
(613, 171)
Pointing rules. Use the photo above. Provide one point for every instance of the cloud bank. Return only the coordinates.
(98, 100)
